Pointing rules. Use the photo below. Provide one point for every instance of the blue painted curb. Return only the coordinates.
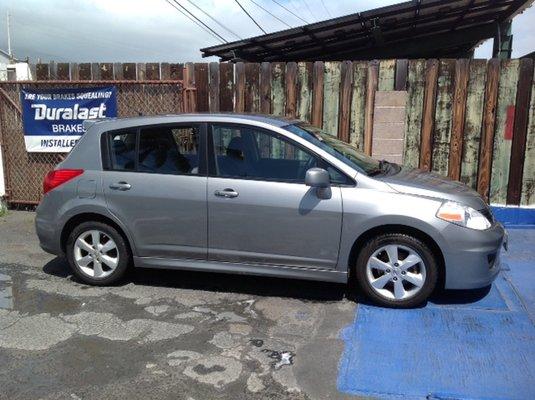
(514, 217)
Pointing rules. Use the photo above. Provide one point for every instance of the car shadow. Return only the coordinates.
(262, 286)
(218, 282)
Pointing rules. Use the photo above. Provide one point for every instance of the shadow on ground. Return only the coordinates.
(261, 286)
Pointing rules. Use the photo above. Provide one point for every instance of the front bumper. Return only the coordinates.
(472, 259)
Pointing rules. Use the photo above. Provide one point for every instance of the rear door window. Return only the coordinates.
(123, 150)
(169, 150)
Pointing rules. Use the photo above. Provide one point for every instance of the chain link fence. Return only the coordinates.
(24, 172)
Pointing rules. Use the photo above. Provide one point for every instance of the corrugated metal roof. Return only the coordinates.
(413, 29)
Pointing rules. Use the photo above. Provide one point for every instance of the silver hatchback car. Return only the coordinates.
(252, 194)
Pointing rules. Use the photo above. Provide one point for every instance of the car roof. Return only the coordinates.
(114, 123)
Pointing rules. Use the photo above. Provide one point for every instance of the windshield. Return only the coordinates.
(344, 152)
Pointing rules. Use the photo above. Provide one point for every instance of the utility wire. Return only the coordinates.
(249, 15)
(309, 10)
(326, 9)
(270, 13)
(213, 19)
(198, 20)
(290, 11)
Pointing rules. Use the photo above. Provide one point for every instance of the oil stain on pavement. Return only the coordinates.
(162, 334)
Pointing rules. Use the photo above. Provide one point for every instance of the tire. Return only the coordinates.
(99, 268)
(379, 278)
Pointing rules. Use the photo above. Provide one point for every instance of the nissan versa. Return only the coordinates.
(259, 195)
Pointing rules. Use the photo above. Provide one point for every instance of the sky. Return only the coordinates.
(154, 31)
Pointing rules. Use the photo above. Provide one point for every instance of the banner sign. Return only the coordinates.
(53, 118)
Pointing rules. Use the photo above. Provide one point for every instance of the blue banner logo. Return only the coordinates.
(53, 118)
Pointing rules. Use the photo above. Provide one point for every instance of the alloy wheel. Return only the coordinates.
(396, 272)
(96, 254)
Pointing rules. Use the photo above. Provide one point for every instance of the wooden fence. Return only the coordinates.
(472, 120)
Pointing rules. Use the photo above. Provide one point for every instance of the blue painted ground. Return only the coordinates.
(465, 345)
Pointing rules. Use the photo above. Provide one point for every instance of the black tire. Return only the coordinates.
(123, 253)
(404, 240)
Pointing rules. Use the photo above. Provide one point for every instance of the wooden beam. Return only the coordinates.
(265, 88)
(252, 94)
(344, 112)
(401, 74)
(317, 94)
(428, 116)
(291, 90)
(462, 72)
(239, 87)
(226, 86)
(518, 147)
(213, 102)
(201, 85)
(489, 122)
(371, 88)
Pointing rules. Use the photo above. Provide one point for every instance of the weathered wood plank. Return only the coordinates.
(75, 72)
(462, 72)
(290, 81)
(42, 72)
(201, 84)
(165, 69)
(344, 112)
(265, 88)
(63, 71)
(95, 72)
(118, 71)
(518, 146)
(371, 88)
(190, 101)
(415, 100)
(239, 87)
(84, 71)
(277, 88)
(387, 74)
(317, 95)
(401, 74)
(489, 124)
(141, 71)
(443, 116)
(502, 146)
(473, 122)
(106, 71)
(152, 71)
(528, 176)
(213, 102)
(252, 94)
(177, 71)
(358, 104)
(428, 115)
(53, 70)
(304, 90)
(331, 93)
(129, 71)
(226, 86)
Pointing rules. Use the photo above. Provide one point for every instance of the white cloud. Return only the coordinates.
(151, 30)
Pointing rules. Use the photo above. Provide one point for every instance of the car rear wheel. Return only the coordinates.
(97, 253)
(396, 270)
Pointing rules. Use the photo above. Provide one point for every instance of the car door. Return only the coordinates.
(155, 183)
(259, 208)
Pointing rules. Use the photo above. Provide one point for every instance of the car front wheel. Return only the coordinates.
(396, 270)
(97, 253)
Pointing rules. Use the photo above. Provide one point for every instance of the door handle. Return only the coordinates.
(121, 186)
(228, 193)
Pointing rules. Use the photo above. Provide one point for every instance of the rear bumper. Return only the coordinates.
(47, 232)
(473, 257)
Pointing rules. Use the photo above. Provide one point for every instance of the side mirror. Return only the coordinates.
(318, 178)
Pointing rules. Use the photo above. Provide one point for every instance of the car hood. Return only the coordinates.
(420, 183)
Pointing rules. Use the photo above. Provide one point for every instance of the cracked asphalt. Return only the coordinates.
(161, 334)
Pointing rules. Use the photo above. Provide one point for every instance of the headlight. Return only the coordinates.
(463, 215)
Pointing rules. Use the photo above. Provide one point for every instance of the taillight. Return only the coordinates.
(58, 177)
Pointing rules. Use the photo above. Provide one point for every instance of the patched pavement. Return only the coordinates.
(161, 334)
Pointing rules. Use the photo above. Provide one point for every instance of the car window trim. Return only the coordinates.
(212, 167)
(203, 154)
